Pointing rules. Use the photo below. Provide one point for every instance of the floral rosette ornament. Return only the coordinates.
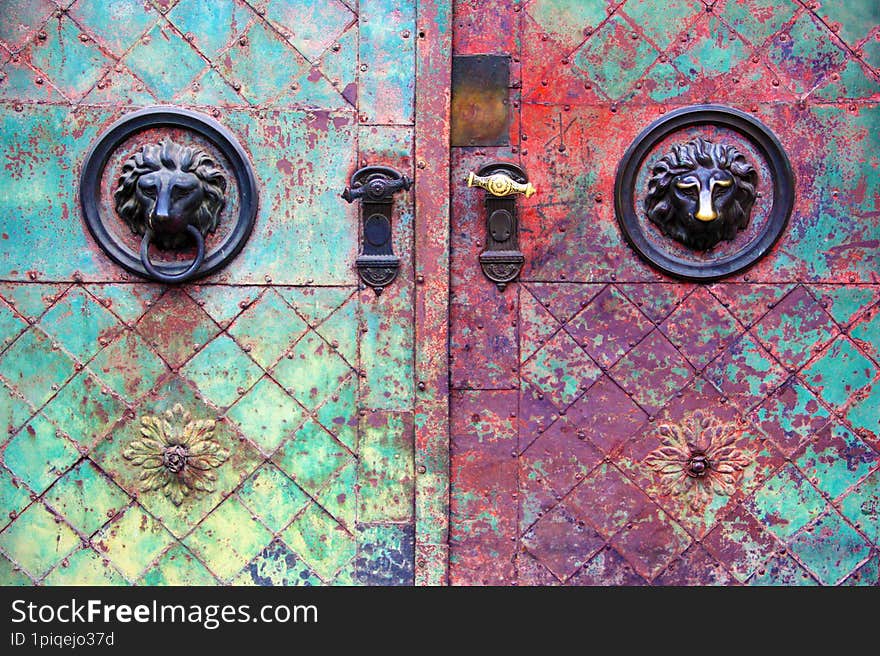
(177, 454)
(698, 458)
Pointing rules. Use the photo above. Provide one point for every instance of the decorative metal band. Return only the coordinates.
(167, 156)
(701, 193)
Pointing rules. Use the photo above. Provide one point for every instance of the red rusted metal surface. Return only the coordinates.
(433, 50)
(576, 391)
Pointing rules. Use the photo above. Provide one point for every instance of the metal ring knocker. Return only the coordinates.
(218, 163)
(176, 277)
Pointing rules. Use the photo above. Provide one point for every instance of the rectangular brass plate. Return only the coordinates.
(480, 104)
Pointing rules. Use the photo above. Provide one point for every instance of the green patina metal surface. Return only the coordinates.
(307, 378)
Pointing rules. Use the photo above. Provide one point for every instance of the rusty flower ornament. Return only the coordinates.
(177, 454)
(698, 458)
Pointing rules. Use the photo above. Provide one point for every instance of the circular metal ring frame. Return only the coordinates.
(154, 117)
(716, 115)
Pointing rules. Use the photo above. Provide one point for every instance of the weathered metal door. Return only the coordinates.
(276, 422)
(256, 426)
(579, 391)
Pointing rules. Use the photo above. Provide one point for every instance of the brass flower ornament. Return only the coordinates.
(699, 458)
(177, 454)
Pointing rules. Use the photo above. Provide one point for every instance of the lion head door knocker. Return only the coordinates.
(171, 191)
(689, 196)
(701, 193)
(168, 194)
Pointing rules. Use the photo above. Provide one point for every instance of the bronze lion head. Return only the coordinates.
(166, 187)
(701, 193)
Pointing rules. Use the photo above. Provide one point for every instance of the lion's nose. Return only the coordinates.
(705, 211)
(162, 209)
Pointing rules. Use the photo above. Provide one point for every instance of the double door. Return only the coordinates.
(444, 430)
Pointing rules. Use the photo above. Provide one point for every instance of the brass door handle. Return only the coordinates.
(502, 260)
(501, 184)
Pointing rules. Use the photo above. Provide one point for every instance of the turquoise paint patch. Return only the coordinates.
(164, 61)
(387, 351)
(85, 567)
(77, 321)
(863, 413)
(830, 548)
(714, 54)
(38, 185)
(841, 372)
(252, 64)
(862, 507)
(72, 64)
(786, 503)
(118, 23)
(18, 82)
(38, 454)
(758, 19)
(782, 570)
(84, 409)
(210, 90)
(34, 368)
(222, 371)
(268, 328)
(212, 25)
(386, 84)
(307, 232)
(14, 411)
(613, 59)
(14, 497)
(266, 415)
(36, 540)
(11, 325)
(273, 497)
(852, 82)
(11, 574)
(310, 26)
(178, 566)
(835, 460)
(86, 498)
(128, 366)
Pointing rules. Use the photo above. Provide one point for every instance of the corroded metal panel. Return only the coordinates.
(256, 427)
(433, 57)
(611, 425)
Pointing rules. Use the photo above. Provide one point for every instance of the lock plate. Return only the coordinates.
(375, 186)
